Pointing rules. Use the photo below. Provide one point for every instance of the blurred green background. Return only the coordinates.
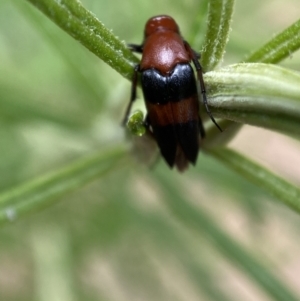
(121, 238)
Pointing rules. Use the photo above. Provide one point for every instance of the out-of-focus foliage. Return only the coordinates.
(135, 233)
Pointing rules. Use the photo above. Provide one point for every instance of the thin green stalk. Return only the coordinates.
(43, 191)
(285, 192)
(279, 47)
(218, 28)
(89, 31)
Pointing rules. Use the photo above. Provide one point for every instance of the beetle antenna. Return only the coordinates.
(195, 56)
(203, 92)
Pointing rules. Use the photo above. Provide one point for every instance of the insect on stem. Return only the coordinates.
(170, 92)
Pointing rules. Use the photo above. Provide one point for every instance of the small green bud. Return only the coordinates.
(136, 124)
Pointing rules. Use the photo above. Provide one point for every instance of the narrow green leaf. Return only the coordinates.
(198, 220)
(218, 28)
(279, 47)
(90, 32)
(43, 191)
(259, 94)
(274, 185)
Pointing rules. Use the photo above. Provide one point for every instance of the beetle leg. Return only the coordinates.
(133, 93)
(147, 125)
(201, 128)
(195, 56)
(135, 48)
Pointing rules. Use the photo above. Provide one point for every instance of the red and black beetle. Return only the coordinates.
(170, 91)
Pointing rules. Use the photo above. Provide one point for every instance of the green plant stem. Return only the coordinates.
(218, 28)
(43, 191)
(259, 94)
(285, 192)
(90, 32)
(279, 47)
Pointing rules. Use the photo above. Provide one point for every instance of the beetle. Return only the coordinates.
(170, 91)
